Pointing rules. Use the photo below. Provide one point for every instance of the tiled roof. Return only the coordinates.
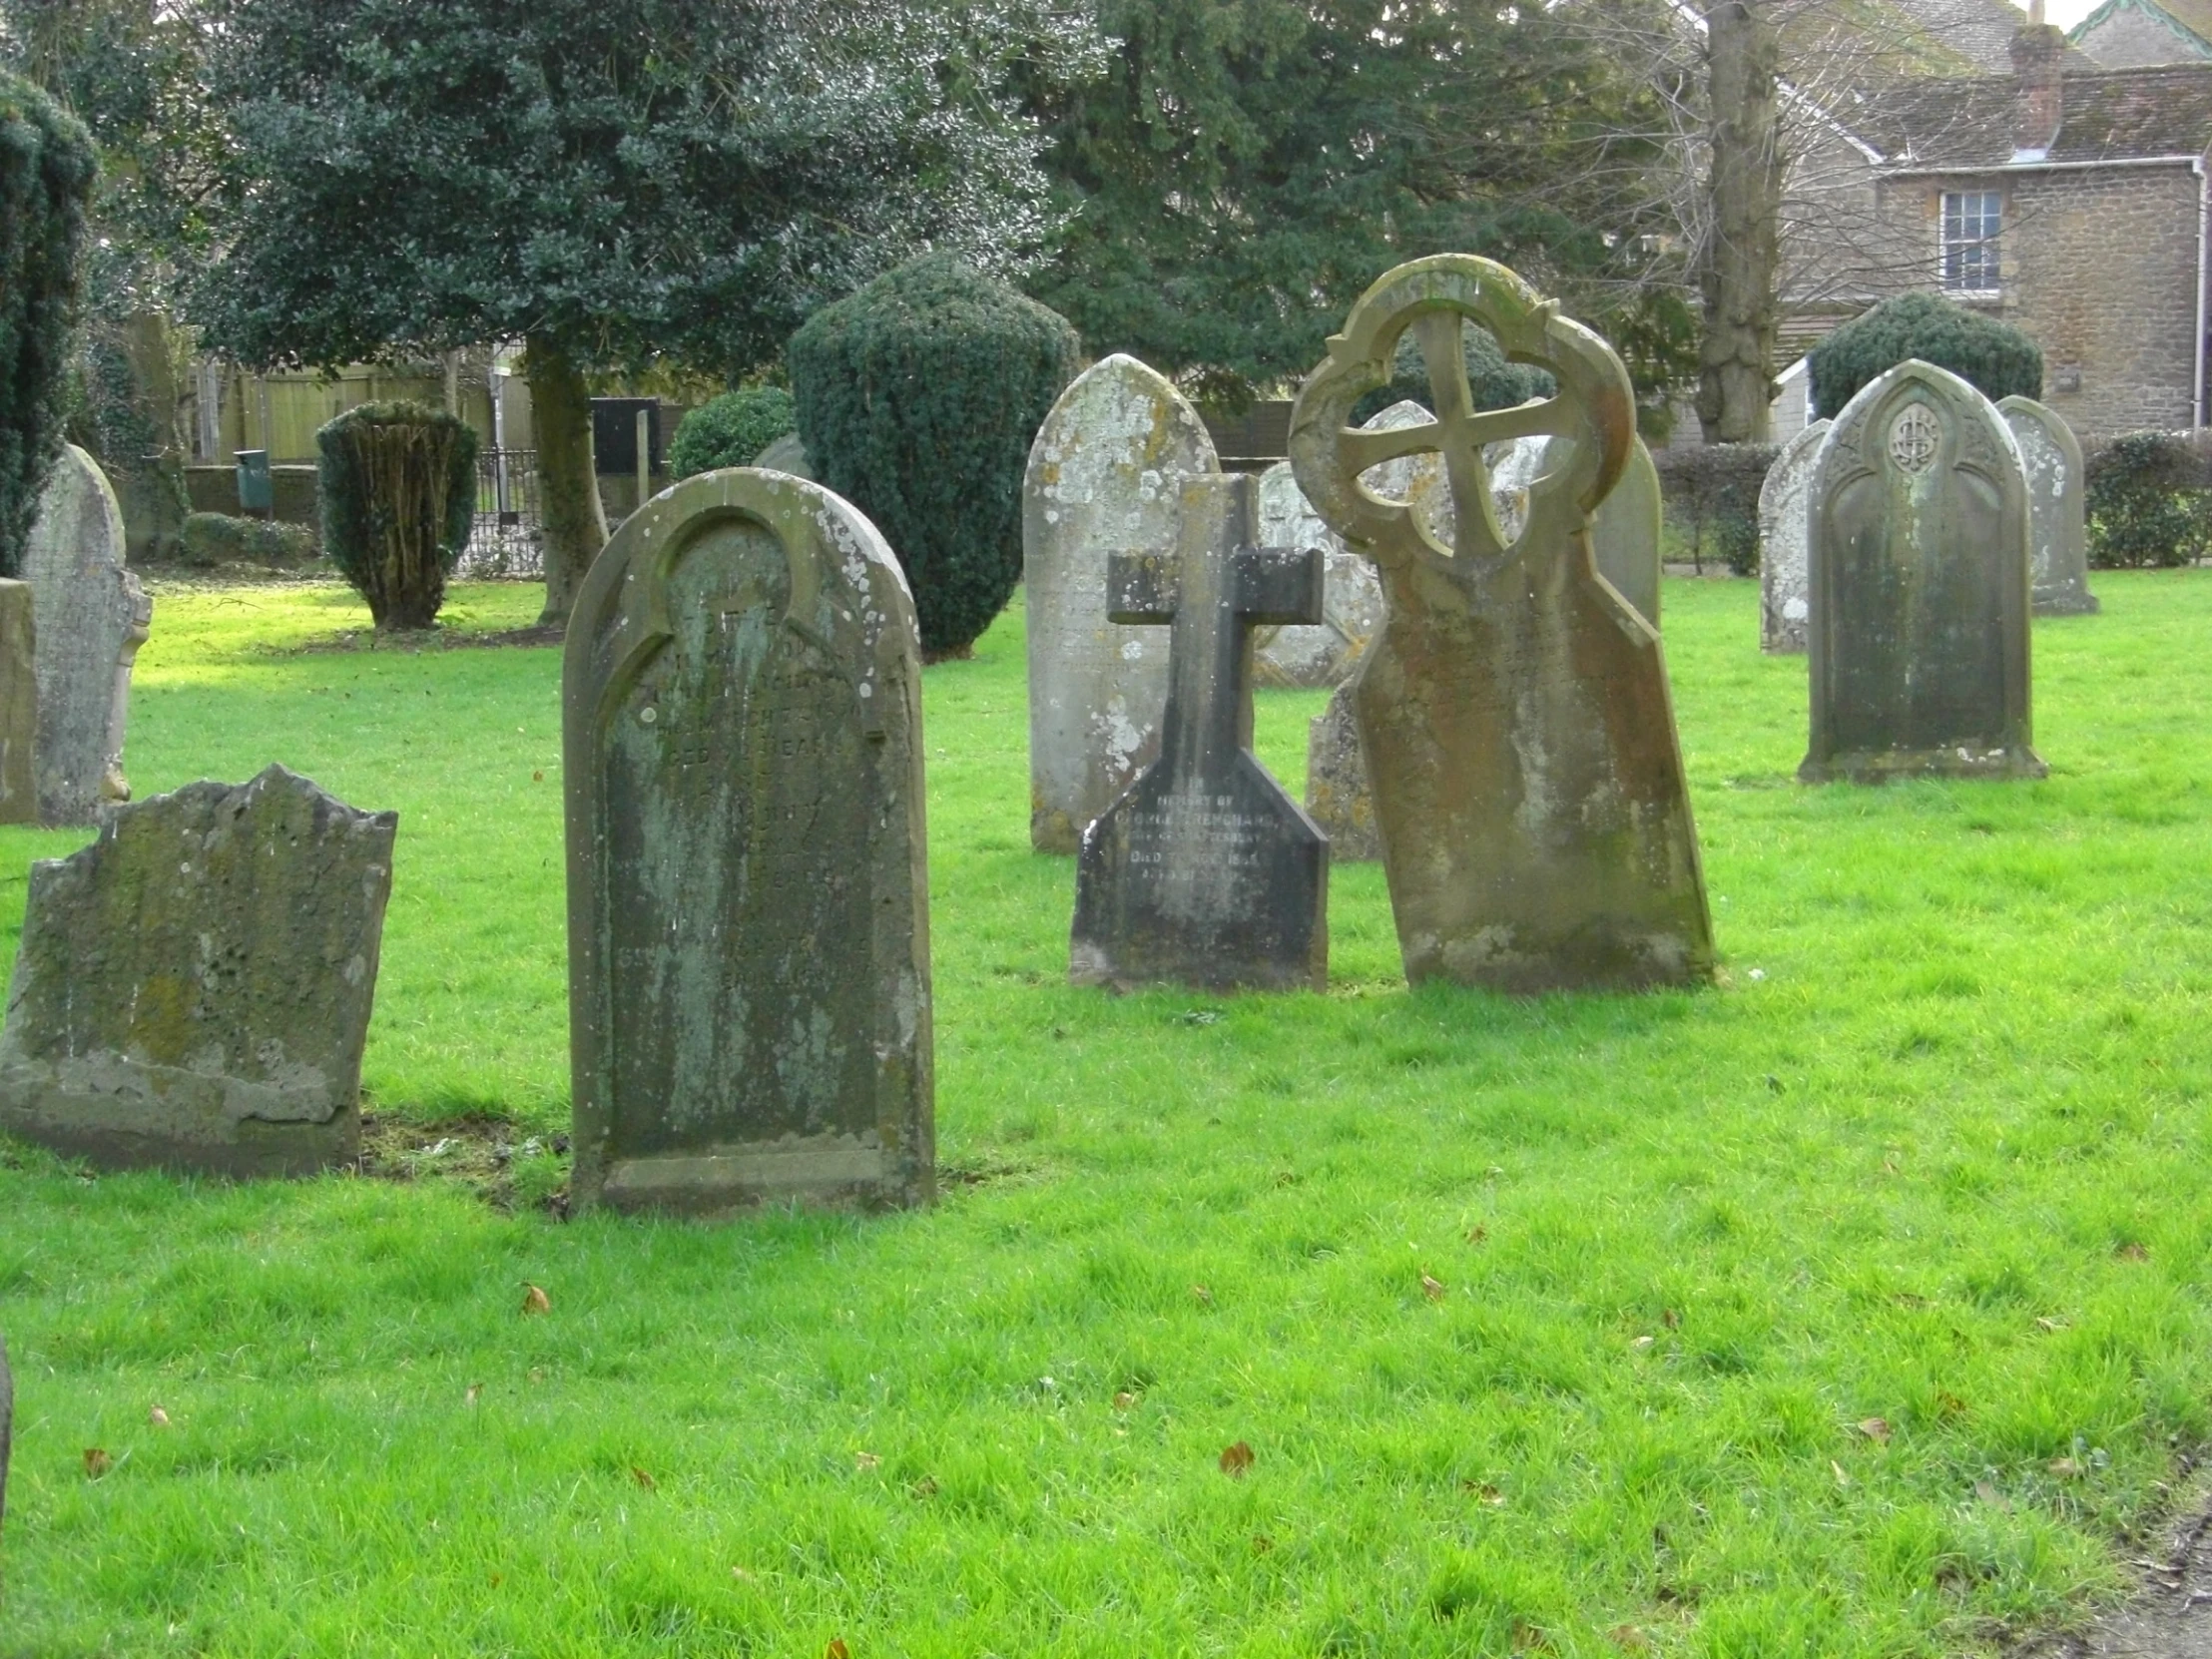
(1980, 32)
(2193, 17)
(2110, 115)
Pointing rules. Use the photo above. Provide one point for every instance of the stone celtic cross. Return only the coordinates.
(1204, 871)
(1516, 716)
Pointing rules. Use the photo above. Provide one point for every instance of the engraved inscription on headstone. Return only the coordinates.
(92, 617)
(1104, 475)
(2057, 508)
(194, 988)
(18, 706)
(1919, 580)
(1205, 873)
(1514, 713)
(749, 948)
(1785, 498)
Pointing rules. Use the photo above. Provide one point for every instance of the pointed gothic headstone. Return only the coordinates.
(1104, 476)
(1205, 873)
(748, 892)
(92, 616)
(2057, 508)
(1785, 498)
(1919, 579)
(1514, 713)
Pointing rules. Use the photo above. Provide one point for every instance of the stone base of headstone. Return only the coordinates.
(1887, 765)
(1336, 794)
(18, 706)
(2068, 601)
(193, 989)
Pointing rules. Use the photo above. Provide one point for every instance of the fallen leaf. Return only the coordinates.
(1948, 1403)
(2065, 1468)
(497, 1580)
(1643, 1341)
(865, 1460)
(1434, 1289)
(1484, 1492)
(1262, 1543)
(926, 1487)
(1124, 1400)
(535, 1301)
(537, 776)
(1202, 1293)
(643, 1480)
(1875, 1430)
(836, 1649)
(1631, 1637)
(1286, 1178)
(538, 1373)
(1670, 1319)
(474, 1388)
(2049, 1323)
(1836, 1468)
(1236, 1460)
(158, 1418)
(1991, 1495)
(98, 1462)
(1478, 1235)
(2132, 1252)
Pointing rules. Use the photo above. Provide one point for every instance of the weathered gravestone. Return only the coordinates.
(1624, 531)
(1105, 474)
(2057, 510)
(194, 988)
(1785, 499)
(1205, 873)
(1514, 713)
(787, 454)
(748, 892)
(18, 705)
(92, 616)
(1314, 654)
(1916, 565)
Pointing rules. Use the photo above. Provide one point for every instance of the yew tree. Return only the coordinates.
(611, 182)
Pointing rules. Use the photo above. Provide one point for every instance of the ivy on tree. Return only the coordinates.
(608, 181)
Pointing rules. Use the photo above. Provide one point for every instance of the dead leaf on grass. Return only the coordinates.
(158, 1418)
(836, 1649)
(1434, 1289)
(1478, 1235)
(1670, 1319)
(2065, 1468)
(1236, 1460)
(1643, 1341)
(535, 1301)
(1124, 1400)
(926, 1487)
(1262, 1543)
(2049, 1323)
(474, 1388)
(1202, 1293)
(865, 1460)
(2132, 1252)
(1875, 1430)
(1837, 1470)
(97, 1463)
(1629, 1638)
(1485, 1493)
(537, 776)
(1991, 1495)
(644, 1480)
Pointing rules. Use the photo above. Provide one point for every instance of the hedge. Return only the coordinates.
(1992, 356)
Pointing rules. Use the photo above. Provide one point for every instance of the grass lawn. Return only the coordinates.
(1860, 1305)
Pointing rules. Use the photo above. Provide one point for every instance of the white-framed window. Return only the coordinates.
(1972, 222)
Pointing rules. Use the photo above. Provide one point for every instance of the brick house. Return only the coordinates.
(2067, 200)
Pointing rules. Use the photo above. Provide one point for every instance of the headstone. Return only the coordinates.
(1338, 797)
(1514, 713)
(18, 705)
(1917, 575)
(1315, 654)
(1205, 873)
(92, 616)
(193, 989)
(2057, 509)
(1624, 531)
(1105, 475)
(1785, 498)
(748, 921)
(787, 454)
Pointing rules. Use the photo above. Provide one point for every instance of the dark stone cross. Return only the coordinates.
(1206, 872)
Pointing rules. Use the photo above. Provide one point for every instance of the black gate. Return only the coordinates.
(507, 537)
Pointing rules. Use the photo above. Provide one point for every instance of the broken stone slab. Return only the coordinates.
(748, 881)
(2057, 508)
(193, 989)
(18, 705)
(1785, 498)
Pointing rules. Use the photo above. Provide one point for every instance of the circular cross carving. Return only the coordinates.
(1915, 439)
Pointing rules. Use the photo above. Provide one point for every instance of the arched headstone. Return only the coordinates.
(1514, 713)
(1785, 498)
(1916, 565)
(1104, 477)
(2057, 508)
(748, 892)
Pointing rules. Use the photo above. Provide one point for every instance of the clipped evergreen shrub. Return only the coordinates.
(1710, 492)
(222, 539)
(46, 168)
(1994, 356)
(731, 430)
(399, 489)
(917, 398)
(2149, 501)
(1495, 381)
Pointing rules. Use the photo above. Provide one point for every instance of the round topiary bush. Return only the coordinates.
(46, 168)
(399, 488)
(731, 430)
(1994, 356)
(917, 399)
(2148, 502)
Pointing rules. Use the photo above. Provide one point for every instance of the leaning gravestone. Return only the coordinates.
(2057, 514)
(748, 911)
(1785, 498)
(1205, 873)
(18, 705)
(194, 988)
(1514, 713)
(1104, 477)
(1916, 562)
(92, 616)
(1318, 654)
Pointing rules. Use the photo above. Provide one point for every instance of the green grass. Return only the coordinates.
(1933, 1151)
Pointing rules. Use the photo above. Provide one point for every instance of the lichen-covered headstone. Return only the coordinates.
(1785, 498)
(92, 616)
(1624, 531)
(193, 989)
(2057, 508)
(1205, 873)
(1514, 713)
(1917, 566)
(1323, 653)
(18, 705)
(1105, 474)
(748, 923)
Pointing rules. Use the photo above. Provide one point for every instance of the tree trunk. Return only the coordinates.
(568, 492)
(1742, 260)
